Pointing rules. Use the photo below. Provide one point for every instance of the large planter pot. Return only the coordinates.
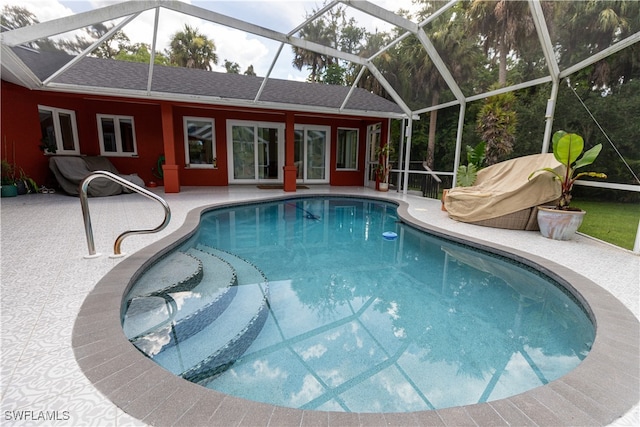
(558, 224)
(22, 188)
(383, 186)
(9, 190)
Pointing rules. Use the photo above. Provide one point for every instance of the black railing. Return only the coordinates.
(429, 184)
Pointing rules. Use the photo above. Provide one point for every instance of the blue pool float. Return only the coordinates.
(390, 235)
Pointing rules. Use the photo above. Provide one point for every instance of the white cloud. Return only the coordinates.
(332, 378)
(313, 352)
(236, 46)
(309, 391)
(240, 47)
(43, 10)
(263, 370)
(401, 392)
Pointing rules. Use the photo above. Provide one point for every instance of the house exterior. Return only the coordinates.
(211, 129)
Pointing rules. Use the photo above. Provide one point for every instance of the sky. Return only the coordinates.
(233, 45)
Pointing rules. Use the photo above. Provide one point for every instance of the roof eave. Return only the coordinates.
(213, 100)
(15, 71)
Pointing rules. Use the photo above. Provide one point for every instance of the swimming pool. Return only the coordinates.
(316, 281)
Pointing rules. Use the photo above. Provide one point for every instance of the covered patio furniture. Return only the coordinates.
(503, 196)
(69, 172)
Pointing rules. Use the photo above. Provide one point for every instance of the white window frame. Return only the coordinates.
(116, 123)
(357, 154)
(255, 124)
(185, 132)
(55, 112)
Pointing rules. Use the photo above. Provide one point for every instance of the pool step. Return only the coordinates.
(215, 347)
(248, 274)
(174, 273)
(148, 306)
(146, 314)
(198, 307)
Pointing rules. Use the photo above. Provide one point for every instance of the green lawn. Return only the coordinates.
(615, 223)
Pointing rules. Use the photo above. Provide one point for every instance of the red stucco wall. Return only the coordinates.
(20, 133)
(20, 129)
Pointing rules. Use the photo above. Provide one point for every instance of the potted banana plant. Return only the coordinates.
(560, 222)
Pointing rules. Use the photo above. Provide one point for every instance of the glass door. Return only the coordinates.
(373, 144)
(243, 152)
(269, 164)
(311, 153)
(256, 152)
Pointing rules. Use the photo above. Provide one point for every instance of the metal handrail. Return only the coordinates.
(84, 202)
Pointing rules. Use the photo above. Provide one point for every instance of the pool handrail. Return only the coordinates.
(84, 202)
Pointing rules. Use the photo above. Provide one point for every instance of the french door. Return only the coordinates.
(312, 150)
(255, 151)
(374, 141)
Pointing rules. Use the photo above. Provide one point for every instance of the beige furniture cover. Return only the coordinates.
(504, 188)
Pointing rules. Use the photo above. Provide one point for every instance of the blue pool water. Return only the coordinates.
(305, 303)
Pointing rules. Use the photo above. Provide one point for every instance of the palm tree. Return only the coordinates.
(189, 48)
(448, 36)
(332, 29)
(315, 31)
(587, 27)
(504, 26)
(386, 63)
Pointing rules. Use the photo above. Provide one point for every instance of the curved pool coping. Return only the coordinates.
(597, 392)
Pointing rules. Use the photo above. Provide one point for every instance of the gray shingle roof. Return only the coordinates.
(112, 74)
(42, 63)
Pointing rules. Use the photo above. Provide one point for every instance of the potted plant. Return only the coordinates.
(26, 184)
(384, 167)
(158, 172)
(467, 174)
(48, 145)
(9, 188)
(561, 221)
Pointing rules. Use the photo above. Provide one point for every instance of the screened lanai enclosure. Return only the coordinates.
(503, 73)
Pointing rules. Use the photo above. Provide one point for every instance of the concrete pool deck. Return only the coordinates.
(48, 287)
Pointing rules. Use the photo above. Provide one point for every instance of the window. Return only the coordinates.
(199, 142)
(117, 135)
(59, 130)
(347, 150)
